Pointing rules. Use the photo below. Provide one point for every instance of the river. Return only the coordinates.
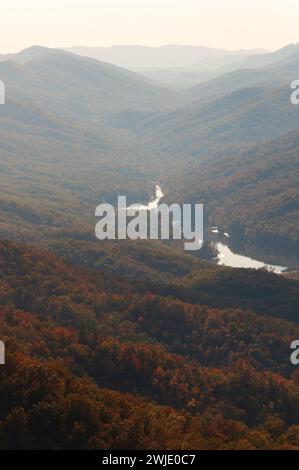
(227, 254)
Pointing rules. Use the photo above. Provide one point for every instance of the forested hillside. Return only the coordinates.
(58, 157)
(76, 132)
(77, 342)
(253, 194)
(137, 344)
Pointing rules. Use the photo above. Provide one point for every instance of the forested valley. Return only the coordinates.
(138, 344)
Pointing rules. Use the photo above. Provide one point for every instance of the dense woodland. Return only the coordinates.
(77, 341)
(138, 345)
(253, 194)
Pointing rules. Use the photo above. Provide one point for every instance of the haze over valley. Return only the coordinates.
(138, 344)
(103, 130)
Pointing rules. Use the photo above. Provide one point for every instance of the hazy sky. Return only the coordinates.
(231, 24)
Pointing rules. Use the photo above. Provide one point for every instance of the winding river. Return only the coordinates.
(226, 256)
(153, 203)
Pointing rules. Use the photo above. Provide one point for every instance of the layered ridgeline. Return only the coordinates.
(76, 132)
(174, 65)
(59, 156)
(141, 345)
(252, 194)
(239, 151)
(237, 108)
(94, 363)
(183, 66)
(72, 86)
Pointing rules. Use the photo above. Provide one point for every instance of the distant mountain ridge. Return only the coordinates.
(29, 54)
(183, 66)
(271, 57)
(148, 57)
(145, 57)
(281, 72)
(68, 84)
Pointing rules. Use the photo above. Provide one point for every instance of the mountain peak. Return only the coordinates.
(30, 54)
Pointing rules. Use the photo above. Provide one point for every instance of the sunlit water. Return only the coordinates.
(226, 256)
(153, 203)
